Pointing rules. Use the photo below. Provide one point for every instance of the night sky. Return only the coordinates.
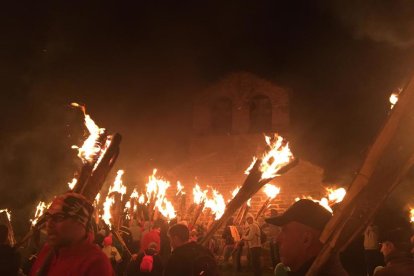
(137, 65)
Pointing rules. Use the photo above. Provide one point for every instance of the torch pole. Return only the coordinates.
(121, 241)
(264, 207)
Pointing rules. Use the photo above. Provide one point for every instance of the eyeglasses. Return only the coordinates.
(58, 217)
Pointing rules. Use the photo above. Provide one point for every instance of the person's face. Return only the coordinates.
(386, 248)
(293, 241)
(61, 229)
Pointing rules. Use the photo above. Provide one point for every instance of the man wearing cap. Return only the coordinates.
(252, 237)
(69, 250)
(301, 225)
(396, 248)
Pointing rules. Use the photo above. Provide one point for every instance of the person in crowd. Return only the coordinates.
(136, 233)
(152, 236)
(301, 225)
(70, 249)
(188, 258)
(396, 249)
(229, 242)
(111, 252)
(372, 252)
(273, 233)
(147, 262)
(252, 237)
(9, 258)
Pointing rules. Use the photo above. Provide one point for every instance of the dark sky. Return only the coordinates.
(138, 64)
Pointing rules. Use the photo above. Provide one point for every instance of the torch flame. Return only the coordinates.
(134, 194)
(91, 147)
(40, 209)
(248, 202)
(72, 184)
(271, 191)
(274, 159)
(394, 97)
(199, 195)
(411, 215)
(156, 188)
(141, 199)
(166, 209)
(180, 188)
(107, 210)
(216, 204)
(118, 186)
(8, 213)
(336, 195)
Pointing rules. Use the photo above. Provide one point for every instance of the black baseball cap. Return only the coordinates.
(304, 211)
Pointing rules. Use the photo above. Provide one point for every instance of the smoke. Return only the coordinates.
(382, 21)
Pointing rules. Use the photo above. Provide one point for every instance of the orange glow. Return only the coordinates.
(72, 184)
(40, 209)
(166, 209)
(336, 195)
(91, 147)
(274, 159)
(118, 186)
(271, 191)
(216, 204)
(198, 195)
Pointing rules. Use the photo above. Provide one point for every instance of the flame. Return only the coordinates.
(248, 202)
(141, 199)
(274, 159)
(336, 195)
(180, 188)
(40, 209)
(411, 215)
(72, 184)
(107, 210)
(91, 147)
(394, 97)
(166, 209)
(199, 195)
(96, 201)
(271, 191)
(134, 194)
(8, 213)
(118, 186)
(156, 189)
(216, 204)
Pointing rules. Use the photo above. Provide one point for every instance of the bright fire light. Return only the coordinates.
(323, 202)
(8, 213)
(199, 195)
(107, 210)
(166, 209)
(156, 188)
(271, 190)
(118, 186)
(180, 188)
(336, 195)
(72, 184)
(216, 204)
(274, 159)
(91, 147)
(412, 215)
(141, 199)
(134, 194)
(40, 209)
(394, 97)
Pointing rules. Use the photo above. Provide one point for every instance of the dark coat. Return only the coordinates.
(133, 268)
(182, 260)
(332, 267)
(400, 264)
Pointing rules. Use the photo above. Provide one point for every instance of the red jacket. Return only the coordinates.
(84, 259)
(151, 236)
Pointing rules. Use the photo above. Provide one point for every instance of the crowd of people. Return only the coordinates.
(74, 245)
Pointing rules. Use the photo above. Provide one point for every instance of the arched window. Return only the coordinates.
(260, 114)
(221, 115)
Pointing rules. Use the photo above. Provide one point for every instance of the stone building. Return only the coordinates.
(229, 120)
